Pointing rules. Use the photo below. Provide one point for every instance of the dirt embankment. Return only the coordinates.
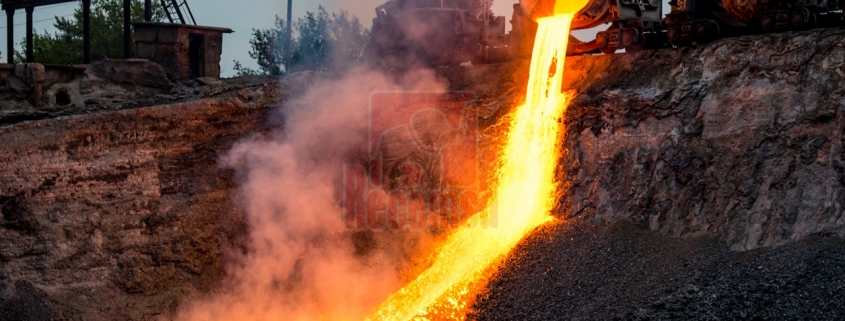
(119, 215)
(741, 139)
(697, 153)
(698, 184)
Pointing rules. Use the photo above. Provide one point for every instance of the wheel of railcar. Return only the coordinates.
(652, 36)
(677, 29)
(706, 31)
(681, 35)
(803, 18)
(767, 23)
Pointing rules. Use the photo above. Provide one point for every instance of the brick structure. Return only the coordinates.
(185, 51)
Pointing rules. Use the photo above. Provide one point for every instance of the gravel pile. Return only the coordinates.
(579, 271)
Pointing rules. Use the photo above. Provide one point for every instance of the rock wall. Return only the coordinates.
(742, 139)
(36, 91)
(119, 215)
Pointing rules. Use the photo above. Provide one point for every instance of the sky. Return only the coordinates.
(241, 16)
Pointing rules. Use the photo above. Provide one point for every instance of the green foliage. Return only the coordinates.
(241, 70)
(64, 46)
(268, 49)
(320, 41)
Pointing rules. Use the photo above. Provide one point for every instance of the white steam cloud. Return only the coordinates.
(301, 263)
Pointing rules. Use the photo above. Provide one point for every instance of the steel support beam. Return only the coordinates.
(86, 31)
(178, 9)
(289, 32)
(21, 4)
(148, 10)
(10, 36)
(190, 13)
(30, 55)
(127, 28)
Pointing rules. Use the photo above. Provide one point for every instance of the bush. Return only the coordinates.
(64, 46)
(320, 41)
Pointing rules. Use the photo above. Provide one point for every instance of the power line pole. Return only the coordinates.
(290, 18)
(148, 10)
(127, 29)
(288, 34)
(30, 56)
(290, 24)
(10, 36)
(86, 31)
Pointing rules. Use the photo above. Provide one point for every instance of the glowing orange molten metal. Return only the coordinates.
(524, 196)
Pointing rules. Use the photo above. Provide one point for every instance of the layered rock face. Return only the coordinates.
(741, 139)
(119, 215)
(36, 91)
(733, 146)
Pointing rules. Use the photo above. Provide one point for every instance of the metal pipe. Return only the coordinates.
(86, 31)
(190, 13)
(289, 31)
(30, 55)
(148, 10)
(166, 10)
(10, 36)
(290, 14)
(178, 10)
(127, 28)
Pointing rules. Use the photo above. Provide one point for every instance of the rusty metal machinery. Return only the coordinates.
(641, 24)
(448, 32)
(436, 32)
(695, 21)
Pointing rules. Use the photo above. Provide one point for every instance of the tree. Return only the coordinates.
(267, 48)
(64, 46)
(320, 41)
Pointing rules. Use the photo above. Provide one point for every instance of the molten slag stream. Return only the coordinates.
(524, 196)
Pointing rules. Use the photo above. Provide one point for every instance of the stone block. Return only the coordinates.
(145, 35)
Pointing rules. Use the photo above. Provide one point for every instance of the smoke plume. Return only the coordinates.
(302, 263)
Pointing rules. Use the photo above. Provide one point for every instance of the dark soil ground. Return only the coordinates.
(579, 271)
